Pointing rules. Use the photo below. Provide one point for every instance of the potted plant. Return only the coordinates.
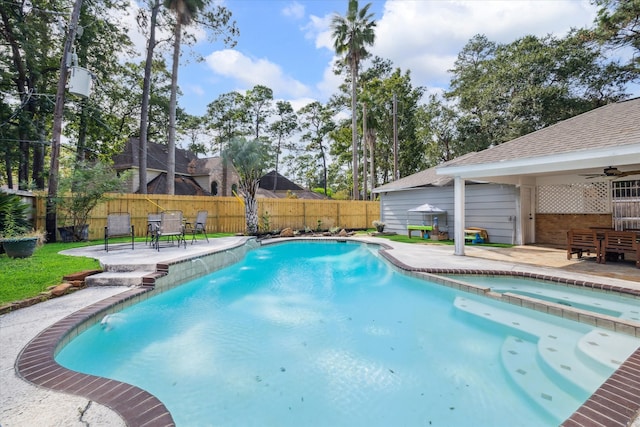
(81, 192)
(379, 225)
(17, 240)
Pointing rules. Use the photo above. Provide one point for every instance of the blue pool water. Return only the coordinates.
(597, 301)
(327, 334)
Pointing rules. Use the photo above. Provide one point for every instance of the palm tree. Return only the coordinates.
(185, 10)
(250, 159)
(352, 34)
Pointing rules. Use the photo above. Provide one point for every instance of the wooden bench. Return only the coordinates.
(619, 244)
(471, 233)
(581, 240)
(421, 228)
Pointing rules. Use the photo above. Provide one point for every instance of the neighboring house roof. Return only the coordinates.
(187, 162)
(282, 183)
(283, 187)
(425, 178)
(605, 136)
(184, 186)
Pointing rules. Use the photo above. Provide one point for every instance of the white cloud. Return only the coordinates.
(318, 29)
(426, 36)
(127, 19)
(294, 10)
(249, 72)
(330, 81)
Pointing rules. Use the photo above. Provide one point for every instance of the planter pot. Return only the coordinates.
(20, 247)
(380, 228)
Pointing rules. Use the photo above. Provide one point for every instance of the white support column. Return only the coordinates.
(458, 199)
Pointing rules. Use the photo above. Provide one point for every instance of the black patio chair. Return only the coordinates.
(200, 226)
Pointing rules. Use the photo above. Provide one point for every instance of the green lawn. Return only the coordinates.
(22, 278)
(418, 240)
(26, 277)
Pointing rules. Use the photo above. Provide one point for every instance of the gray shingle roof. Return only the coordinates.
(425, 178)
(613, 125)
(186, 161)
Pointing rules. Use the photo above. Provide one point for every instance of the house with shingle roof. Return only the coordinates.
(193, 176)
(581, 172)
(274, 185)
(198, 176)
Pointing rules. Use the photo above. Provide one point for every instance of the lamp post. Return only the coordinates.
(54, 165)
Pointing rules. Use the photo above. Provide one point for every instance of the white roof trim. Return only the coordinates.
(610, 156)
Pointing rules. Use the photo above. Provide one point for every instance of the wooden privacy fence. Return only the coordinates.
(226, 214)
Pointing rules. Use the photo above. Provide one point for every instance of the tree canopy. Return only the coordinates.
(497, 92)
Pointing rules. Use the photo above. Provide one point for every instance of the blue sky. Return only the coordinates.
(287, 46)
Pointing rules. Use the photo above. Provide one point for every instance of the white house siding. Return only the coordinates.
(489, 206)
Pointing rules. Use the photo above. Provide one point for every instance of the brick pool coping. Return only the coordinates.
(615, 403)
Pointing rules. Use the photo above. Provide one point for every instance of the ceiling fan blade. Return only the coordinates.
(627, 173)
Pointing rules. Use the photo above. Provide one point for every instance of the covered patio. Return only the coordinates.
(583, 172)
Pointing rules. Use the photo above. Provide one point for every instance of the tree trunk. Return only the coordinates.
(7, 165)
(144, 108)
(81, 148)
(251, 208)
(171, 146)
(364, 152)
(38, 160)
(372, 163)
(54, 164)
(354, 131)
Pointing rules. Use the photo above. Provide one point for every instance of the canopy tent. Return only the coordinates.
(428, 209)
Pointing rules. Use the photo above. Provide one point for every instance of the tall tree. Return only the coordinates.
(316, 122)
(505, 91)
(58, 112)
(186, 13)
(258, 105)
(438, 130)
(352, 34)
(154, 6)
(250, 159)
(100, 49)
(226, 116)
(285, 124)
(618, 25)
(29, 61)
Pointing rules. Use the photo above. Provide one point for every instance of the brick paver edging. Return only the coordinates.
(36, 364)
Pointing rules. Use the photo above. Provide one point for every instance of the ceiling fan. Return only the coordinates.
(612, 172)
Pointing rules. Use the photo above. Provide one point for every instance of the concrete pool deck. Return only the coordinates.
(24, 404)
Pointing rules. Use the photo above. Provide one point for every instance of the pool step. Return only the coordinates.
(519, 358)
(559, 349)
(116, 278)
(598, 345)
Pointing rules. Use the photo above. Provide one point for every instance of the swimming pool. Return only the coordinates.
(327, 334)
(610, 304)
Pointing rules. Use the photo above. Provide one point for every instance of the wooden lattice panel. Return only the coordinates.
(577, 198)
